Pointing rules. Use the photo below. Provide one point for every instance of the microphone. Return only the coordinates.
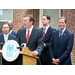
(20, 47)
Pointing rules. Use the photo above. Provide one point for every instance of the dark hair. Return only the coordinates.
(3, 24)
(31, 17)
(63, 18)
(48, 17)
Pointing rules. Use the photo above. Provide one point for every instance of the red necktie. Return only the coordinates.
(44, 32)
(27, 39)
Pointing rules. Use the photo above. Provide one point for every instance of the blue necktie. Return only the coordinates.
(5, 38)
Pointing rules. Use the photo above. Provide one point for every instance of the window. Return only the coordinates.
(54, 14)
(5, 15)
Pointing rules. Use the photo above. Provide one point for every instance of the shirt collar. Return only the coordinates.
(5, 35)
(29, 29)
(47, 27)
(10, 31)
(63, 30)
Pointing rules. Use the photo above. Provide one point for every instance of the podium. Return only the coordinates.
(27, 57)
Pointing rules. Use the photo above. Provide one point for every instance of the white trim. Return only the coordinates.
(4, 20)
(40, 15)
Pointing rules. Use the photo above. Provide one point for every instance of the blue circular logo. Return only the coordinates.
(10, 51)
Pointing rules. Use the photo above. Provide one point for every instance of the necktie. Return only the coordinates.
(60, 36)
(27, 38)
(5, 38)
(44, 32)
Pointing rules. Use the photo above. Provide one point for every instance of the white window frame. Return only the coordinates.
(8, 20)
(40, 15)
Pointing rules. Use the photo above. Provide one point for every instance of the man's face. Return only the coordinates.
(61, 24)
(5, 29)
(45, 21)
(26, 22)
(10, 25)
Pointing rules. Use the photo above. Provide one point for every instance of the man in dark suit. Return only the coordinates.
(5, 36)
(31, 36)
(45, 58)
(61, 44)
(11, 28)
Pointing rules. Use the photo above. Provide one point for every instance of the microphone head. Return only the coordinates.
(20, 46)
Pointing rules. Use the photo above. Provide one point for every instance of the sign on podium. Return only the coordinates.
(11, 53)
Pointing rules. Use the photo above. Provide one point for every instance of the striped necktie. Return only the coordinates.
(60, 36)
(44, 32)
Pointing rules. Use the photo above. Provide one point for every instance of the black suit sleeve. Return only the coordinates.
(40, 42)
(51, 45)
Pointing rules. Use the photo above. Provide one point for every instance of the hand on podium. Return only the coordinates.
(35, 53)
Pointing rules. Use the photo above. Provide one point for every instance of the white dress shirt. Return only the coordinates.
(46, 28)
(6, 35)
(30, 30)
(10, 31)
(62, 31)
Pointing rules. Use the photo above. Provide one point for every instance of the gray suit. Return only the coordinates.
(35, 41)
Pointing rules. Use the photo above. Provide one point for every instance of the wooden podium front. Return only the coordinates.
(27, 57)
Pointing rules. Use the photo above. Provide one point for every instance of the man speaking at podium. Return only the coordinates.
(32, 36)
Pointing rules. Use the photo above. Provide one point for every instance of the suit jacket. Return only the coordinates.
(10, 37)
(45, 58)
(19, 31)
(63, 48)
(35, 41)
(14, 33)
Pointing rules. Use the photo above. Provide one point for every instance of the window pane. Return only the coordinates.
(6, 14)
(54, 14)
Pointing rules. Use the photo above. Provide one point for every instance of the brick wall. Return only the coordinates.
(18, 15)
(17, 18)
(70, 15)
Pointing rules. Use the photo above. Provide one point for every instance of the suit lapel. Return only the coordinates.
(57, 36)
(47, 33)
(3, 38)
(9, 37)
(25, 34)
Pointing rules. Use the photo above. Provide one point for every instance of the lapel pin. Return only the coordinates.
(64, 34)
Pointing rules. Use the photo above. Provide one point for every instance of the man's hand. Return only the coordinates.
(44, 45)
(55, 61)
(34, 53)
